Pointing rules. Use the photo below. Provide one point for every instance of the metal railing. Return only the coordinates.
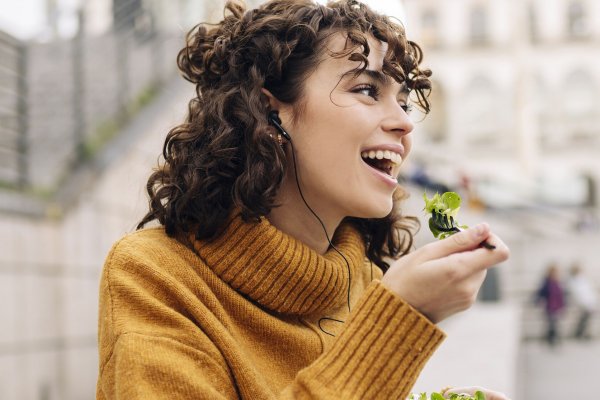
(62, 100)
(13, 111)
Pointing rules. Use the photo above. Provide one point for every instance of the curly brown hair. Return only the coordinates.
(223, 155)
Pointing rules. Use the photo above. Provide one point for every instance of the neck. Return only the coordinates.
(295, 219)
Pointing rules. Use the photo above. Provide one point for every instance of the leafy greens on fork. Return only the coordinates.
(437, 396)
(443, 209)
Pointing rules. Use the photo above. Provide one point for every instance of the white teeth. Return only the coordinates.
(381, 154)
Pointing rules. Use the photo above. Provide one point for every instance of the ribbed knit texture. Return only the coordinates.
(280, 272)
(239, 319)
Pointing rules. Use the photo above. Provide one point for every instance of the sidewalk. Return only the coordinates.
(570, 371)
(481, 349)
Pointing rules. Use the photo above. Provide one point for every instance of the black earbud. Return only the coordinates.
(276, 121)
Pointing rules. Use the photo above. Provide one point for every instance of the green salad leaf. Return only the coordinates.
(447, 204)
(437, 396)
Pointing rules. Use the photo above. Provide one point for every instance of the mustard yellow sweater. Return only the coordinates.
(241, 318)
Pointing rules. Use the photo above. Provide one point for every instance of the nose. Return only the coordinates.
(396, 121)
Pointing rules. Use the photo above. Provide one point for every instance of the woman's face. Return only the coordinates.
(350, 137)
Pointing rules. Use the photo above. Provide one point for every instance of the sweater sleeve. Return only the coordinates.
(379, 355)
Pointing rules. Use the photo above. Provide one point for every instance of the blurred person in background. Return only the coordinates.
(551, 294)
(582, 294)
(278, 213)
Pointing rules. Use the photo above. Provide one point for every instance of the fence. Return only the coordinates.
(13, 111)
(61, 101)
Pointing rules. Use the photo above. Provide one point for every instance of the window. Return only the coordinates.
(435, 124)
(532, 22)
(478, 25)
(578, 23)
(430, 28)
(126, 13)
(580, 98)
(580, 106)
(483, 113)
(572, 115)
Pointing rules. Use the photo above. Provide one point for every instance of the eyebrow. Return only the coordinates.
(377, 76)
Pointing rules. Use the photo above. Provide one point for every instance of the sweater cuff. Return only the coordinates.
(382, 350)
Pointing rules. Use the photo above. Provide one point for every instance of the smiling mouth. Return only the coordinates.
(384, 161)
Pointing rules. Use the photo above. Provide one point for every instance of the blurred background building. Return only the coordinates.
(515, 128)
(89, 89)
(83, 84)
(515, 121)
(516, 97)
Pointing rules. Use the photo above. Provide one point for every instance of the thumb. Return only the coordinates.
(465, 240)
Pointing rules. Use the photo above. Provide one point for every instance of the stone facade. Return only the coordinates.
(516, 91)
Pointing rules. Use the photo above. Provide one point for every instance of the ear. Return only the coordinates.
(274, 104)
(284, 111)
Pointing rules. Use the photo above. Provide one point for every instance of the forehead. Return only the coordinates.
(338, 42)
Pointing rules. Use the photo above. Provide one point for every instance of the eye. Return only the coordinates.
(368, 90)
(407, 108)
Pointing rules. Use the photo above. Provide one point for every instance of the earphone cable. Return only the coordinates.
(328, 240)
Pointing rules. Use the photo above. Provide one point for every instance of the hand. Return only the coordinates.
(470, 390)
(443, 277)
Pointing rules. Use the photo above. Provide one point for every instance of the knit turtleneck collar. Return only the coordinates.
(280, 272)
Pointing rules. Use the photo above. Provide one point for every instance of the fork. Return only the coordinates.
(443, 223)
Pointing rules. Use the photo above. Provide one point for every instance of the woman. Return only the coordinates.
(551, 294)
(278, 213)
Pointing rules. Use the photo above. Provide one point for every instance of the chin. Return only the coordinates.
(382, 213)
(376, 209)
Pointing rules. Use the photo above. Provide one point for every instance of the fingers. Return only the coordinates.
(470, 390)
(465, 263)
(468, 239)
(480, 258)
(443, 278)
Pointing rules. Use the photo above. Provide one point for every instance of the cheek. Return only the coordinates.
(332, 133)
(330, 128)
